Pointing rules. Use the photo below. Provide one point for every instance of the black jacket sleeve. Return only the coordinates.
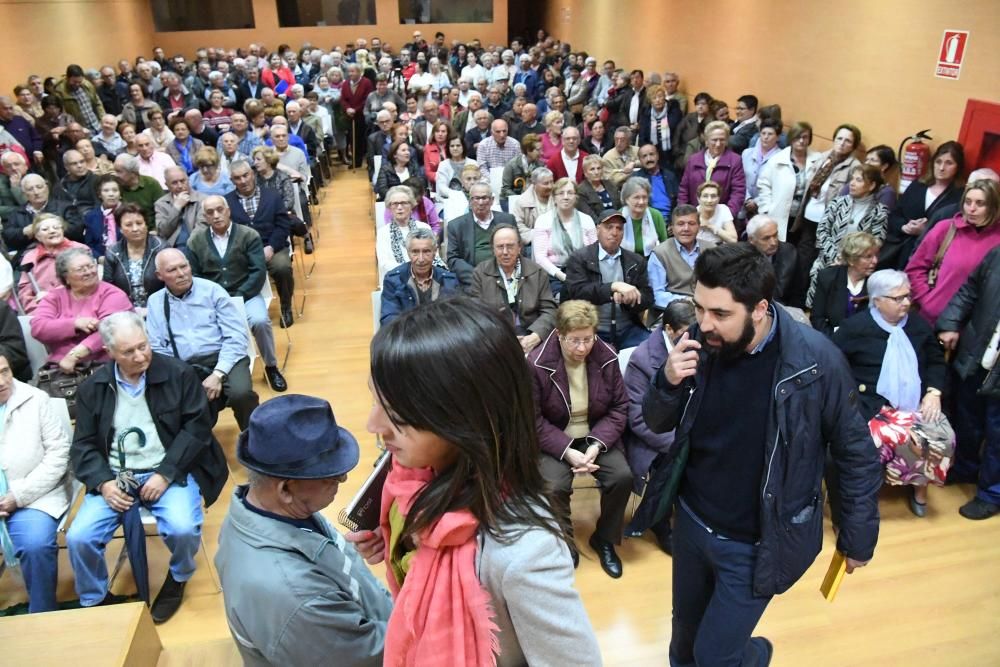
(12, 344)
(195, 435)
(581, 284)
(88, 455)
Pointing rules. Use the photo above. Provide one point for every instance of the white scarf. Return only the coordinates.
(649, 238)
(899, 377)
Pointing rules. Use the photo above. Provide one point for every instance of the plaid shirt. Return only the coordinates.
(489, 155)
(90, 119)
(251, 203)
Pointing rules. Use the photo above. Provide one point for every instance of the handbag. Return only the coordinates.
(58, 384)
(932, 273)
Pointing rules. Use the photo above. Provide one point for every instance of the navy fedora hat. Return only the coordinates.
(297, 437)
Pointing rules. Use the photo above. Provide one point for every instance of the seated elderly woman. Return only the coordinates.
(100, 227)
(417, 281)
(38, 266)
(34, 455)
(390, 239)
(184, 147)
(554, 122)
(67, 317)
(535, 201)
(717, 163)
(594, 193)
(857, 211)
(715, 221)
(841, 290)
(209, 179)
(265, 163)
(581, 414)
(517, 287)
(641, 444)
(400, 166)
(424, 210)
(900, 370)
(130, 264)
(560, 232)
(644, 226)
(517, 173)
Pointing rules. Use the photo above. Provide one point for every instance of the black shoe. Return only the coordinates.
(610, 562)
(308, 244)
(766, 648)
(977, 509)
(168, 600)
(275, 378)
(108, 599)
(664, 540)
(287, 319)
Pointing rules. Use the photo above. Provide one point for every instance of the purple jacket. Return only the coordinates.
(641, 444)
(607, 405)
(728, 173)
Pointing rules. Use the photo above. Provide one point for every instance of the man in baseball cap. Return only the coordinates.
(295, 591)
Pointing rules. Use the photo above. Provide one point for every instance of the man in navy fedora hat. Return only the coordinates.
(296, 592)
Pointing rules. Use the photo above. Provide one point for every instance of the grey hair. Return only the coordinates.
(633, 185)
(115, 322)
(401, 190)
(540, 173)
(65, 257)
(239, 163)
(882, 282)
(757, 222)
(129, 163)
(624, 130)
(421, 234)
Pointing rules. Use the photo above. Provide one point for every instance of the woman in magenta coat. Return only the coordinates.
(727, 170)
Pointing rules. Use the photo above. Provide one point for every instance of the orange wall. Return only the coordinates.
(388, 29)
(43, 37)
(870, 63)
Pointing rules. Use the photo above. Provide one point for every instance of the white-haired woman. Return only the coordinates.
(900, 371)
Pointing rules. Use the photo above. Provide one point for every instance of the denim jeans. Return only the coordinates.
(977, 419)
(178, 518)
(33, 533)
(715, 610)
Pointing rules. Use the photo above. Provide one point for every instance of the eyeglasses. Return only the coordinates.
(394, 204)
(898, 299)
(578, 342)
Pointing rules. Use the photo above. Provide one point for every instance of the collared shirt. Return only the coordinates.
(204, 321)
(659, 281)
(133, 390)
(484, 224)
(490, 156)
(249, 142)
(221, 242)
(570, 163)
(251, 202)
(113, 144)
(770, 334)
(90, 119)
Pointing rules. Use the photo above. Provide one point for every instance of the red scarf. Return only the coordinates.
(442, 614)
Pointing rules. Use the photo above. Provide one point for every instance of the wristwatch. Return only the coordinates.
(222, 376)
(934, 392)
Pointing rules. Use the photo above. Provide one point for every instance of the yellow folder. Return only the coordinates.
(834, 575)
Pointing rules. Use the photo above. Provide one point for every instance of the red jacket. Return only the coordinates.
(355, 99)
(555, 164)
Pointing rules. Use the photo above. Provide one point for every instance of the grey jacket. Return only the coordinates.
(541, 619)
(169, 219)
(294, 597)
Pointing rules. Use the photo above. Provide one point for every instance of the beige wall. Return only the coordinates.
(388, 29)
(870, 63)
(43, 37)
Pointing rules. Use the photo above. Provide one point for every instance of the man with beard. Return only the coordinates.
(749, 520)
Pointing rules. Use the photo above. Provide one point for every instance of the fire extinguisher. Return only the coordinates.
(914, 158)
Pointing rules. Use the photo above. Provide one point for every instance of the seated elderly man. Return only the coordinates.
(233, 256)
(418, 281)
(498, 149)
(34, 455)
(229, 151)
(762, 232)
(568, 162)
(379, 140)
(291, 160)
(195, 320)
(264, 211)
(517, 287)
(335, 607)
(108, 140)
(78, 185)
(478, 133)
(18, 226)
(179, 212)
(298, 126)
(22, 130)
(143, 435)
(13, 167)
(671, 265)
(621, 161)
(136, 188)
(663, 183)
(200, 130)
(613, 279)
(246, 139)
(529, 123)
(469, 234)
(152, 163)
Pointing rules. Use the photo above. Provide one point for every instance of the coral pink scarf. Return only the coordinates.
(442, 614)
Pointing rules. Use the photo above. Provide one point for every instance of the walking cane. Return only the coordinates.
(354, 141)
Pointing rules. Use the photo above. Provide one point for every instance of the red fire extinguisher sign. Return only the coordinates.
(951, 54)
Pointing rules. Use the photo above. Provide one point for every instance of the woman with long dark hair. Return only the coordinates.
(478, 562)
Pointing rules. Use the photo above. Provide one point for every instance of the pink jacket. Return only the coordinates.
(962, 257)
(44, 273)
(54, 320)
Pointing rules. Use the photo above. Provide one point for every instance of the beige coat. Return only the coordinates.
(525, 210)
(34, 451)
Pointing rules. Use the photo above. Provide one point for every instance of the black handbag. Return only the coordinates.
(991, 383)
(58, 384)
